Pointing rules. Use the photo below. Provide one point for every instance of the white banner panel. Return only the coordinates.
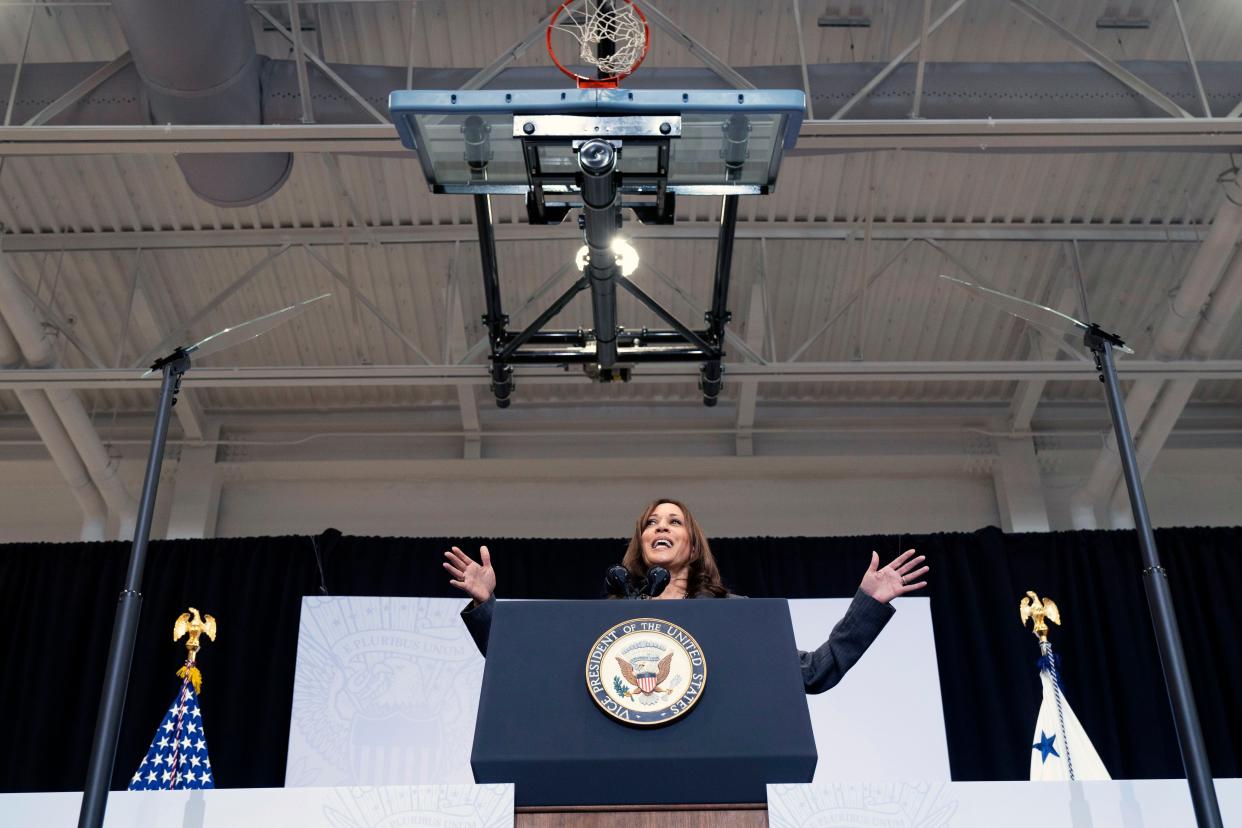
(439, 806)
(386, 692)
(884, 720)
(1140, 803)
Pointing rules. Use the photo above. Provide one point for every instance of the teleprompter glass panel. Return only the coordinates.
(469, 141)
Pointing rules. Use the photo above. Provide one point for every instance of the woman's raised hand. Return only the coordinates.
(901, 576)
(477, 581)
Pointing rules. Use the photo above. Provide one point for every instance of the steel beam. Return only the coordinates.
(724, 70)
(1102, 60)
(467, 404)
(1027, 395)
(892, 66)
(488, 73)
(748, 390)
(323, 67)
(80, 90)
(1077, 134)
(877, 273)
(730, 337)
(171, 139)
(1190, 56)
(972, 135)
(445, 375)
(17, 72)
(299, 59)
(175, 336)
(409, 57)
(359, 296)
(922, 65)
(450, 233)
(806, 79)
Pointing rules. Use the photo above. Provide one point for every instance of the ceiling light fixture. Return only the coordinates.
(627, 256)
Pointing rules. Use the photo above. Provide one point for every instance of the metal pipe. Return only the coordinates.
(601, 213)
(128, 610)
(38, 346)
(1216, 319)
(10, 351)
(635, 355)
(1160, 603)
(719, 314)
(58, 444)
(67, 462)
(509, 352)
(491, 275)
(655, 307)
(1172, 333)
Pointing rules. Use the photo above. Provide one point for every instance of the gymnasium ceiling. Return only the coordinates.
(834, 275)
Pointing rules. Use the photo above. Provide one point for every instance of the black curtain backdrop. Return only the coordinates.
(59, 601)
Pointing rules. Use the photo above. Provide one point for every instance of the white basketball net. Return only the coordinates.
(592, 21)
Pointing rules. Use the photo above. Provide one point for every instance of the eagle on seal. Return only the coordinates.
(646, 684)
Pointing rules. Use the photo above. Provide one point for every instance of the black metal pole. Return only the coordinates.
(601, 219)
(129, 607)
(1159, 599)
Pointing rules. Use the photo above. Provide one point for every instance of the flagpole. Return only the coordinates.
(1159, 596)
(129, 608)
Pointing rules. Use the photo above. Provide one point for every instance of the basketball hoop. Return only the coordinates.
(611, 35)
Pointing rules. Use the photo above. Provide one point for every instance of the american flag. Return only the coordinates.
(177, 759)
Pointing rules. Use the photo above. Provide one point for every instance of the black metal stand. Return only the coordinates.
(129, 607)
(1159, 597)
(608, 351)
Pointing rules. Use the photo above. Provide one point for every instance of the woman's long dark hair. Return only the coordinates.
(703, 577)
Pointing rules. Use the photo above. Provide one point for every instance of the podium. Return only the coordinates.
(540, 728)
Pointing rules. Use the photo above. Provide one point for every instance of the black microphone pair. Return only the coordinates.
(617, 583)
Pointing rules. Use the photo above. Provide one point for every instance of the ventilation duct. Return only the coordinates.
(198, 65)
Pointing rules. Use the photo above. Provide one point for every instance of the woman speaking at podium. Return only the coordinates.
(666, 534)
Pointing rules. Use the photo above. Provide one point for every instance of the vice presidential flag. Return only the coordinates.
(1060, 749)
(177, 759)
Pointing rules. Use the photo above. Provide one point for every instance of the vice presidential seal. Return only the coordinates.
(646, 671)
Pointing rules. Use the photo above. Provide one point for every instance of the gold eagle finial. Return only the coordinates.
(192, 625)
(1033, 607)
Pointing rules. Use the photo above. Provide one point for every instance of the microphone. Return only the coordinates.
(657, 580)
(617, 582)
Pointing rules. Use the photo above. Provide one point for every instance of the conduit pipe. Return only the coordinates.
(1173, 332)
(198, 65)
(58, 444)
(36, 344)
(10, 353)
(56, 441)
(1220, 313)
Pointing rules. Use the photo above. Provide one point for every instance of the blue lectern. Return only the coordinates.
(539, 728)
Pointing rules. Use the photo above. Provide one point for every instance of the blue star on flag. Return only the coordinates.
(177, 759)
(1044, 746)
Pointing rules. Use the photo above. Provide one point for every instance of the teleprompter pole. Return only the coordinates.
(129, 607)
(1159, 597)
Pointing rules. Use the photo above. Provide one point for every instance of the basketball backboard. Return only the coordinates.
(692, 142)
